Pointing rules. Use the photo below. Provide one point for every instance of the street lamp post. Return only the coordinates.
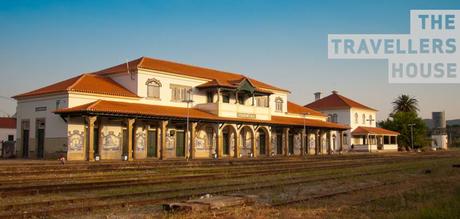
(188, 100)
(304, 134)
(411, 125)
(370, 120)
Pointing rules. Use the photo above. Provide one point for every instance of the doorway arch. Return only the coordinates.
(263, 140)
(246, 141)
(229, 140)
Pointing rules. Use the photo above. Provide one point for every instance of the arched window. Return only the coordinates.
(334, 117)
(370, 120)
(364, 119)
(279, 104)
(356, 118)
(329, 117)
(153, 88)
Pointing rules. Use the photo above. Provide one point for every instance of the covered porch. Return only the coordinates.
(114, 130)
(373, 139)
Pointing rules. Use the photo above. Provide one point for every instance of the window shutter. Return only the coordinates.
(172, 94)
(156, 92)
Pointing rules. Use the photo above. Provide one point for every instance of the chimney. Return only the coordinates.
(335, 92)
(317, 96)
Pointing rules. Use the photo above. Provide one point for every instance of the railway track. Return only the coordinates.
(76, 175)
(157, 165)
(169, 194)
(73, 174)
(42, 189)
(17, 179)
(38, 168)
(66, 187)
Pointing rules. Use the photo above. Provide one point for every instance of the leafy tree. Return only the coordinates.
(400, 121)
(405, 103)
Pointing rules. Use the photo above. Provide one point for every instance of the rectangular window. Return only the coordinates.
(210, 97)
(241, 100)
(261, 101)
(10, 137)
(180, 93)
(153, 91)
(225, 98)
(386, 139)
(393, 140)
(279, 106)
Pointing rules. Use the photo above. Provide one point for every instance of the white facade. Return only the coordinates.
(37, 112)
(354, 115)
(347, 116)
(4, 133)
(167, 80)
(439, 142)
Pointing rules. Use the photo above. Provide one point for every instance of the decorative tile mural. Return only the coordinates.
(170, 141)
(246, 144)
(312, 142)
(297, 141)
(76, 140)
(111, 142)
(273, 140)
(140, 141)
(200, 141)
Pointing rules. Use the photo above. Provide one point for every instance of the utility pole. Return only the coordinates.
(370, 120)
(188, 100)
(411, 125)
(304, 140)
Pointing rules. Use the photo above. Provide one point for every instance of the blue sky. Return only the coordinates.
(280, 42)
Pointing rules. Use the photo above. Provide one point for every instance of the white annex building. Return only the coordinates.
(439, 131)
(363, 134)
(7, 130)
(150, 108)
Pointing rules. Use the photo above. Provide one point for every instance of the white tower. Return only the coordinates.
(439, 133)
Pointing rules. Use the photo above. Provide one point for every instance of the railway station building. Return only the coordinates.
(155, 109)
(363, 135)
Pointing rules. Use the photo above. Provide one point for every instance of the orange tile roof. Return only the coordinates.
(215, 83)
(7, 123)
(363, 130)
(184, 69)
(295, 108)
(336, 101)
(103, 106)
(87, 83)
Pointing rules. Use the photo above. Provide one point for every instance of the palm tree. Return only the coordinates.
(405, 103)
